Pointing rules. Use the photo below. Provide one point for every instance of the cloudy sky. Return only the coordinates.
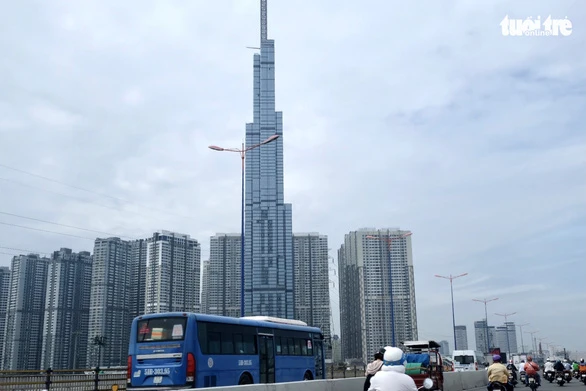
(419, 115)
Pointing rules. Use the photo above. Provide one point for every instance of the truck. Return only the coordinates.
(423, 360)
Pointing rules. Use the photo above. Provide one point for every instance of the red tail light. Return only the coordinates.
(129, 370)
(476, 365)
(190, 373)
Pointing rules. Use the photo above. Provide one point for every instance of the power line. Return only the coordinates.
(90, 191)
(45, 230)
(12, 181)
(24, 250)
(63, 225)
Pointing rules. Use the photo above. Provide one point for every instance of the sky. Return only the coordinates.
(419, 115)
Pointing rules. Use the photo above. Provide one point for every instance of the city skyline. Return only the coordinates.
(481, 158)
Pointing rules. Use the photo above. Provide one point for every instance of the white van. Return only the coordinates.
(467, 360)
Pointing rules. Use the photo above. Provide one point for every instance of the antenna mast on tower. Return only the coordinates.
(263, 21)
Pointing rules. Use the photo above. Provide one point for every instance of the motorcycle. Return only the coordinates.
(583, 377)
(559, 377)
(523, 378)
(549, 376)
(497, 386)
(567, 376)
(532, 383)
(576, 374)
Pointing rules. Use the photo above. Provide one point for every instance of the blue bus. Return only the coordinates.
(179, 349)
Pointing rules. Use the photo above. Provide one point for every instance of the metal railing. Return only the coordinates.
(96, 379)
(343, 372)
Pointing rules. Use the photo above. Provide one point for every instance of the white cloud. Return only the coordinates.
(430, 121)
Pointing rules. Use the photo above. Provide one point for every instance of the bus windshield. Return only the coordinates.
(463, 360)
(161, 329)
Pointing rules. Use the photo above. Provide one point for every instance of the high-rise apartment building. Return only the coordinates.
(137, 274)
(366, 289)
(67, 302)
(205, 287)
(4, 291)
(507, 343)
(268, 274)
(109, 305)
(480, 334)
(461, 337)
(23, 332)
(223, 296)
(312, 283)
(173, 264)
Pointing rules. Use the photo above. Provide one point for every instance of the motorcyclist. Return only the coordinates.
(559, 367)
(373, 368)
(567, 365)
(575, 366)
(513, 369)
(582, 366)
(548, 369)
(531, 368)
(497, 372)
(392, 376)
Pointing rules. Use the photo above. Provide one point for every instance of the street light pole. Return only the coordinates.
(242, 153)
(533, 339)
(520, 326)
(452, 278)
(389, 241)
(507, 330)
(486, 301)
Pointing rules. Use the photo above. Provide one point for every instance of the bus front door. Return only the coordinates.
(266, 358)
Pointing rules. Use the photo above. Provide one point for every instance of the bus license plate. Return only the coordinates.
(158, 379)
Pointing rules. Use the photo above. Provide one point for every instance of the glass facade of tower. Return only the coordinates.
(268, 254)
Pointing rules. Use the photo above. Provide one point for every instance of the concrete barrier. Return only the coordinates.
(453, 381)
(460, 381)
(352, 384)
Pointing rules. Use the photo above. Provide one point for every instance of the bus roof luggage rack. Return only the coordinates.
(276, 320)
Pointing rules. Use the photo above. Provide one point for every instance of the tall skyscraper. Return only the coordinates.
(25, 312)
(67, 304)
(462, 337)
(172, 273)
(365, 291)
(312, 283)
(4, 291)
(223, 295)
(109, 304)
(268, 272)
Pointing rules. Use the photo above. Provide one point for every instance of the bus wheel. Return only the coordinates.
(308, 376)
(245, 379)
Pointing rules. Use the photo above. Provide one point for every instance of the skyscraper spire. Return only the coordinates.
(263, 21)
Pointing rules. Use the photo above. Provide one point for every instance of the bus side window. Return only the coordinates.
(291, 343)
(249, 344)
(214, 344)
(303, 347)
(227, 343)
(239, 343)
(278, 345)
(309, 347)
(284, 346)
